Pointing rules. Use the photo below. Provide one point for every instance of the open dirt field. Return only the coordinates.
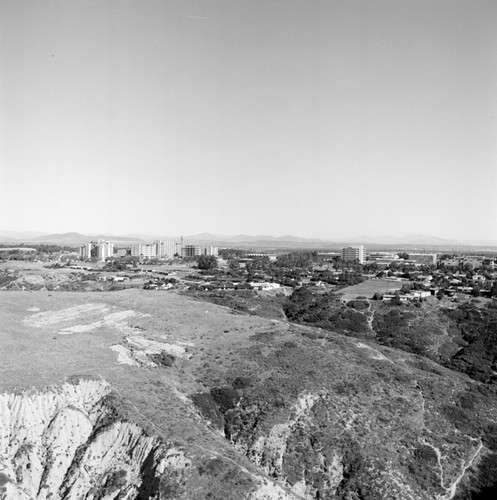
(369, 288)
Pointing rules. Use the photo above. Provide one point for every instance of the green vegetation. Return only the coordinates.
(208, 408)
(224, 479)
(324, 311)
(24, 252)
(163, 359)
(423, 466)
(394, 329)
(481, 485)
(116, 264)
(4, 479)
(243, 301)
(207, 262)
(297, 260)
(478, 327)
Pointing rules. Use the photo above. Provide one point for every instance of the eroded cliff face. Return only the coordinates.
(68, 442)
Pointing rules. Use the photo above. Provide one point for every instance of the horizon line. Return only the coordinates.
(408, 239)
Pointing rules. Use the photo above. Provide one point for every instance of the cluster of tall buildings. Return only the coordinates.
(170, 248)
(157, 249)
(163, 249)
(97, 249)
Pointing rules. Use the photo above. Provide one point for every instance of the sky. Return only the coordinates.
(323, 119)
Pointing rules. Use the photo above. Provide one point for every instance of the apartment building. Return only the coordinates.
(144, 250)
(210, 250)
(353, 253)
(96, 249)
(195, 250)
(191, 250)
(167, 249)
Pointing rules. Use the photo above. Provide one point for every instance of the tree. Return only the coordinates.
(260, 263)
(396, 300)
(230, 253)
(234, 266)
(207, 262)
(301, 260)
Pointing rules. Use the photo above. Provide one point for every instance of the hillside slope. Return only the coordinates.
(189, 400)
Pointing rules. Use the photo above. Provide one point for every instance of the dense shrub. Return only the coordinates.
(163, 359)
(4, 479)
(325, 311)
(225, 397)
(359, 305)
(242, 382)
(423, 466)
(462, 420)
(479, 331)
(208, 408)
(482, 485)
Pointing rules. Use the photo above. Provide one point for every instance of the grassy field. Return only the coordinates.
(40, 353)
(369, 288)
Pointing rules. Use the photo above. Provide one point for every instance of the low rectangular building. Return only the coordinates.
(424, 258)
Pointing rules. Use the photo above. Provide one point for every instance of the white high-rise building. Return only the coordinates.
(101, 249)
(191, 250)
(85, 251)
(144, 250)
(195, 250)
(353, 253)
(167, 248)
(170, 248)
(105, 249)
(210, 250)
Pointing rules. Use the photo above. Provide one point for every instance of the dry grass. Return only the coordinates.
(34, 356)
(369, 288)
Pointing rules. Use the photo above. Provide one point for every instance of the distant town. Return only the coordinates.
(169, 249)
(164, 264)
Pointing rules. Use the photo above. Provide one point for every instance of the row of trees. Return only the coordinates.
(26, 253)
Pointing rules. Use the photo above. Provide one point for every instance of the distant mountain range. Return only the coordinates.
(19, 235)
(67, 239)
(246, 241)
(416, 240)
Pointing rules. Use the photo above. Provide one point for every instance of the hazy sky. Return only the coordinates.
(314, 118)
